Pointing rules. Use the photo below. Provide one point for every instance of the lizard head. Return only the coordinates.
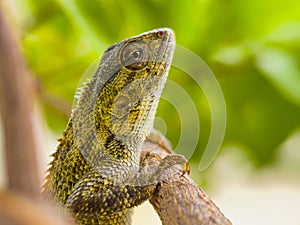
(135, 72)
(145, 57)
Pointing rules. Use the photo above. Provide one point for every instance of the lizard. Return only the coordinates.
(95, 173)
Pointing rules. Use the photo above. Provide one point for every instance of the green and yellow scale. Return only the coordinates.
(96, 174)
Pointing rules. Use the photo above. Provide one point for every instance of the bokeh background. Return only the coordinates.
(253, 48)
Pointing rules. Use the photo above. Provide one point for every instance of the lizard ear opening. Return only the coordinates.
(134, 55)
(121, 101)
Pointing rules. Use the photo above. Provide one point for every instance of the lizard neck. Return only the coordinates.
(108, 136)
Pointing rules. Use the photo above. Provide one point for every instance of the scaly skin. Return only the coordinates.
(95, 173)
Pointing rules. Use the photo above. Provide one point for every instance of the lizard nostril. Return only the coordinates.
(160, 34)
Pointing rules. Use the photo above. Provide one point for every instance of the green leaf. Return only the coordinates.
(282, 70)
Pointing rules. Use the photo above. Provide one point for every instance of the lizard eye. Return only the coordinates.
(134, 56)
(137, 55)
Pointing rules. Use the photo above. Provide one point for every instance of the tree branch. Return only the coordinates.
(178, 200)
(19, 205)
(16, 106)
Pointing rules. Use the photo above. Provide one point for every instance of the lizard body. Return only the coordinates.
(96, 173)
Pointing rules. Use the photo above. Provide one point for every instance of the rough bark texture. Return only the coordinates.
(16, 107)
(179, 201)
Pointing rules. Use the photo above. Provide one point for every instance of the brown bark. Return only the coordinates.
(16, 106)
(178, 200)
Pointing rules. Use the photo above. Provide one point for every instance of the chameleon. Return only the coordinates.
(96, 173)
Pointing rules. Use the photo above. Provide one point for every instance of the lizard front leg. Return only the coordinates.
(158, 138)
(96, 197)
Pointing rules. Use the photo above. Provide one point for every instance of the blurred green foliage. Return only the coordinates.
(252, 46)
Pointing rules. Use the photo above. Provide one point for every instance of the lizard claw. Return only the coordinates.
(148, 156)
(186, 169)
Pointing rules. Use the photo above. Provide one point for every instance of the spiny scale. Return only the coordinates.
(95, 172)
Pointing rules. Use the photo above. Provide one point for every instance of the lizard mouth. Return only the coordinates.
(165, 52)
(167, 45)
(169, 49)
